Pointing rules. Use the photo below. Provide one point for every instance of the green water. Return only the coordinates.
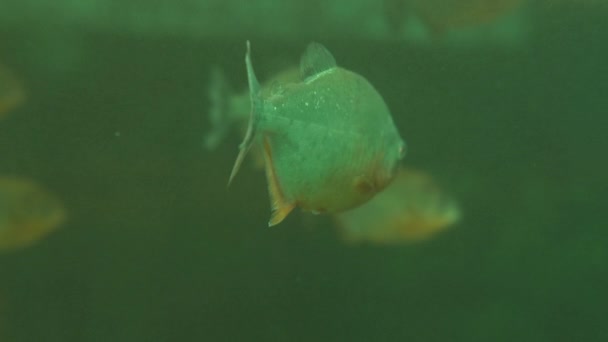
(157, 249)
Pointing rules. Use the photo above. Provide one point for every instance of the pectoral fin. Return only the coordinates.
(254, 116)
(279, 205)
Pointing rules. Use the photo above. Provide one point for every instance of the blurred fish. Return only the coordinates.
(441, 15)
(328, 139)
(205, 20)
(28, 213)
(413, 208)
(12, 93)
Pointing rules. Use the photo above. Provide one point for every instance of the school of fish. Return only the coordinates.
(323, 135)
(411, 208)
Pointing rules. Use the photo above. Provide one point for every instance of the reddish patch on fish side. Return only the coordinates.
(364, 186)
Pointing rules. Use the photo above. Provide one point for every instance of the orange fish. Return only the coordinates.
(413, 208)
(442, 15)
(28, 213)
(12, 93)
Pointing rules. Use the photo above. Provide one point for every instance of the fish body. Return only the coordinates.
(27, 213)
(413, 208)
(329, 141)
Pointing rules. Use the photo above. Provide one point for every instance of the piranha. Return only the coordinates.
(327, 137)
(12, 93)
(413, 208)
(28, 213)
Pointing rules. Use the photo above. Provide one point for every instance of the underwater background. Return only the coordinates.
(157, 248)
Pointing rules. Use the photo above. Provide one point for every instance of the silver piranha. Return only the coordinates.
(329, 141)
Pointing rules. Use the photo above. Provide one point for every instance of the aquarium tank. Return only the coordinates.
(432, 170)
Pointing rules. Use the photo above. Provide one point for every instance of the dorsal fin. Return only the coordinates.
(315, 60)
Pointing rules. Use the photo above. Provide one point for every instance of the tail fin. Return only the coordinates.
(220, 117)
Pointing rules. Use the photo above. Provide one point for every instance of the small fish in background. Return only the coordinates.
(328, 139)
(441, 16)
(28, 213)
(412, 209)
(12, 92)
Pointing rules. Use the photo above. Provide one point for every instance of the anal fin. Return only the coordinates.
(279, 205)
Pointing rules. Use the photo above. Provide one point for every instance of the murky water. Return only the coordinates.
(157, 249)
